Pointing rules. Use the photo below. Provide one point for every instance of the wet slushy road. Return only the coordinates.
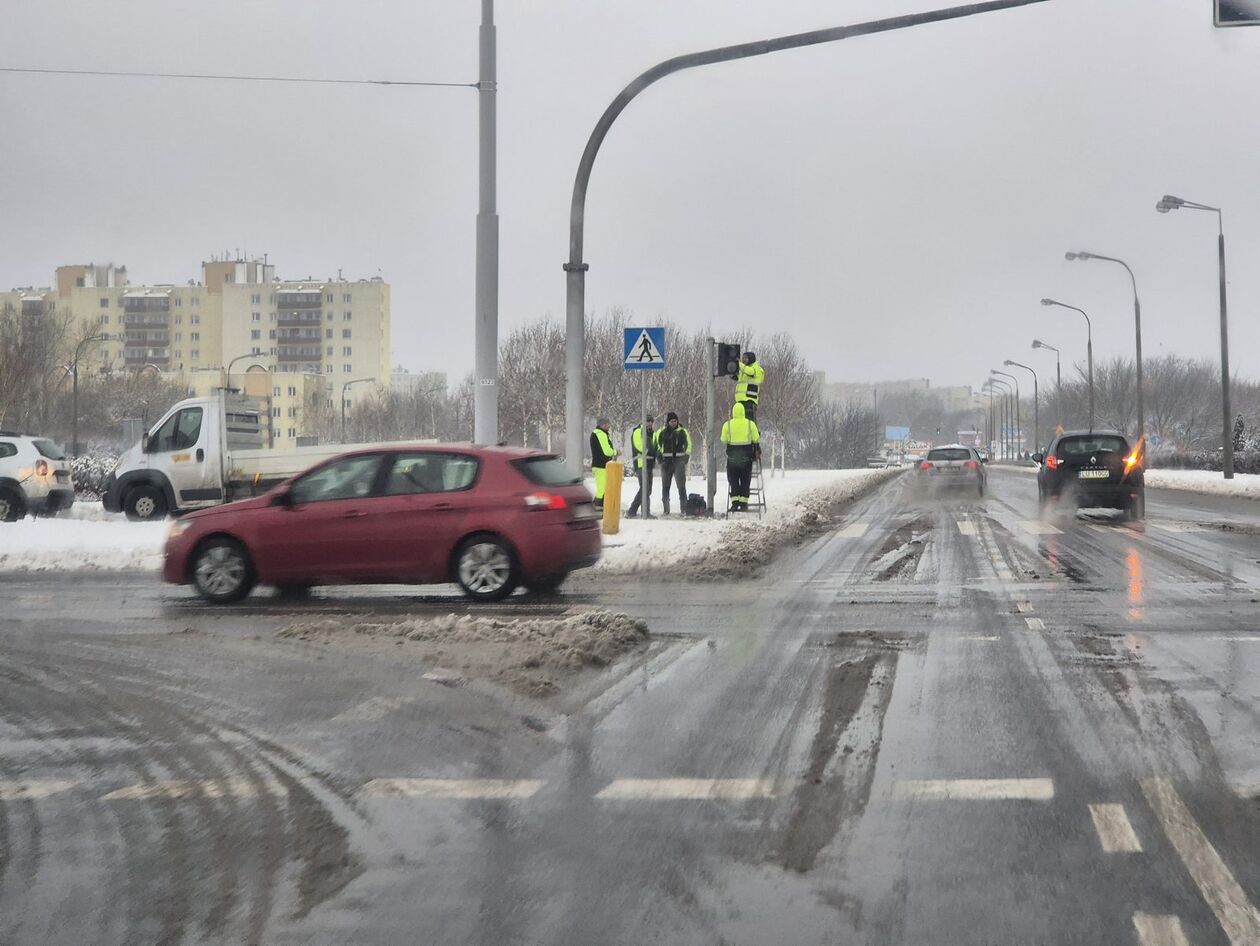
(943, 722)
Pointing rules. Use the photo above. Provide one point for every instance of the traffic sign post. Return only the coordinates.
(644, 351)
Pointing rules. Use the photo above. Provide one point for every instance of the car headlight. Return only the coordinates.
(178, 528)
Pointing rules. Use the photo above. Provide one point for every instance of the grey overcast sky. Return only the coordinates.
(899, 203)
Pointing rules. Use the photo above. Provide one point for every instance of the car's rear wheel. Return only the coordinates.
(144, 503)
(545, 586)
(222, 571)
(1135, 509)
(12, 505)
(485, 568)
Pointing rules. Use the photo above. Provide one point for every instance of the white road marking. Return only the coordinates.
(1155, 929)
(1227, 899)
(1023, 607)
(32, 789)
(976, 789)
(190, 788)
(1105, 530)
(1115, 831)
(1178, 527)
(454, 788)
(967, 528)
(854, 530)
(1037, 527)
(1035, 624)
(981, 637)
(667, 789)
(378, 707)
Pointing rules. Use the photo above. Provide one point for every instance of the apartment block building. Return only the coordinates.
(238, 316)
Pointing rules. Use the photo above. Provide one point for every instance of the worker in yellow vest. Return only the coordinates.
(602, 451)
(748, 384)
(743, 446)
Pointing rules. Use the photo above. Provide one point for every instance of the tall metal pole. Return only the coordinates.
(1019, 431)
(647, 446)
(1036, 402)
(575, 282)
(710, 409)
(1227, 428)
(74, 409)
(992, 428)
(486, 394)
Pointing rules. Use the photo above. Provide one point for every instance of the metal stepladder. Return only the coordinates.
(756, 493)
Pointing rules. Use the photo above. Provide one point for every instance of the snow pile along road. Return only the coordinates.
(67, 544)
(527, 654)
(1207, 482)
(799, 505)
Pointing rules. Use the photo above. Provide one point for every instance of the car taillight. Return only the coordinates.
(1052, 462)
(973, 465)
(925, 465)
(545, 501)
(41, 467)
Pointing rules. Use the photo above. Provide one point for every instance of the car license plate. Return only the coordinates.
(1094, 474)
(585, 511)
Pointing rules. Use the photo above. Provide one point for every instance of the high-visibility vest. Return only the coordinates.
(672, 443)
(636, 444)
(601, 449)
(748, 385)
(740, 434)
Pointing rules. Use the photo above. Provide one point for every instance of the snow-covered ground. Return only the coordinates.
(89, 538)
(697, 547)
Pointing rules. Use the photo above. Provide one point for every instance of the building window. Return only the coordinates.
(293, 412)
(346, 351)
(195, 354)
(196, 301)
(330, 316)
(329, 333)
(195, 336)
(273, 298)
(328, 369)
(275, 392)
(346, 317)
(292, 391)
(255, 334)
(345, 333)
(179, 320)
(255, 316)
(272, 333)
(105, 303)
(273, 351)
(330, 351)
(345, 368)
(330, 297)
(195, 319)
(292, 433)
(275, 412)
(179, 302)
(256, 298)
(179, 336)
(273, 316)
(179, 354)
(345, 297)
(256, 351)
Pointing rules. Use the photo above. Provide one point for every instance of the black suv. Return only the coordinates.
(1093, 468)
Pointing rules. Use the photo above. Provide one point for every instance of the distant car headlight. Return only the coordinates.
(178, 528)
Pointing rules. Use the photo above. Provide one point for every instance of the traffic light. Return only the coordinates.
(938, 431)
(727, 360)
(1238, 12)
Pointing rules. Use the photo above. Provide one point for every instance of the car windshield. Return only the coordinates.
(1087, 446)
(546, 471)
(50, 450)
(952, 453)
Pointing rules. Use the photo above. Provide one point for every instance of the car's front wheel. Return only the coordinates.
(485, 568)
(12, 506)
(222, 571)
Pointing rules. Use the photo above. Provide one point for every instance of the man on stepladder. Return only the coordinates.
(748, 384)
(602, 451)
(743, 446)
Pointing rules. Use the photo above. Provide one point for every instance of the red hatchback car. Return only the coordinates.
(489, 518)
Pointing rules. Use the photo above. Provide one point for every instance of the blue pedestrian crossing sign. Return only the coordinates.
(645, 348)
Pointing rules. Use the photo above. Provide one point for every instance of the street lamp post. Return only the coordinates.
(1137, 327)
(1019, 430)
(1089, 330)
(1036, 402)
(575, 268)
(1166, 204)
(1058, 377)
(992, 428)
(1007, 394)
(344, 388)
(74, 399)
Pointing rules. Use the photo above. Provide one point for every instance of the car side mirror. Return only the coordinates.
(283, 498)
(1038, 457)
(145, 443)
(984, 459)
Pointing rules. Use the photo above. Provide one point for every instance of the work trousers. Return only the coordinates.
(674, 470)
(638, 497)
(739, 479)
(600, 473)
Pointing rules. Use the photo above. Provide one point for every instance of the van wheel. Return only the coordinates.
(12, 506)
(222, 571)
(145, 503)
(485, 568)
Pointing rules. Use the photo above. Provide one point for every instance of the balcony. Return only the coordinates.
(298, 317)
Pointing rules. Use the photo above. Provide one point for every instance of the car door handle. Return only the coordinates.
(201, 455)
(442, 506)
(355, 514)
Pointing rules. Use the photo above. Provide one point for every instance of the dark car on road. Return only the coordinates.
(952, 467)
(488, 518)
(1093, 469)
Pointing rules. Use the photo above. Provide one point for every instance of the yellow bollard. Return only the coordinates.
(613, 473)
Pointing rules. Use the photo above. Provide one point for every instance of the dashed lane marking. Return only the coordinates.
(452, 788)
(1037, 527)
(1227, 899)
(981, 637)
(1178, 527)
(855, 530)
(967, 528)
(31, 790)
(1035, 624)
(377, 707)
(668, 789)
(1155, 929)
(192, 788)
(1115, 831)
(1023, 607)
(976, 789)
